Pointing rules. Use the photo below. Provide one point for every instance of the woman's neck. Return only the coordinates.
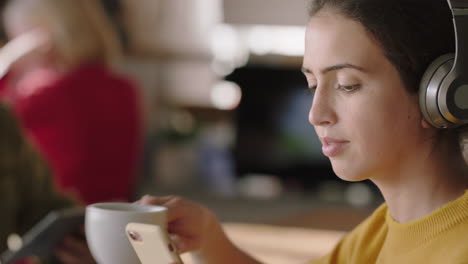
(423, 183)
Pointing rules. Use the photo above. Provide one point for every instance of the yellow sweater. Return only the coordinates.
(440, 237)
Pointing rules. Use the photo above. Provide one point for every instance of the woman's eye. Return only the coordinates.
(349, 88)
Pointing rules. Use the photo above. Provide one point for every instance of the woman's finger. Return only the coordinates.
(154, 200)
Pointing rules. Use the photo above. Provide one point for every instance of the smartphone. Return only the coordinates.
(43, 237)
(152, 244)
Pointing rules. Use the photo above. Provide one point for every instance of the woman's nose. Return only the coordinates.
(322, 111)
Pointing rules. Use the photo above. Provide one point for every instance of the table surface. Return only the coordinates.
(278, 244)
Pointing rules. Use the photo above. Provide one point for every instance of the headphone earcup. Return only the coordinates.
(430, 87)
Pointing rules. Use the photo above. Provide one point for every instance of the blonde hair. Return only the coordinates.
(81, 30)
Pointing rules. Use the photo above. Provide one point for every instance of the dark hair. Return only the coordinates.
(412, 33)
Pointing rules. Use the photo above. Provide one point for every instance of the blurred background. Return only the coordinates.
(225, 111)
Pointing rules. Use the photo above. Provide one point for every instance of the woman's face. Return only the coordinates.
(366, 120)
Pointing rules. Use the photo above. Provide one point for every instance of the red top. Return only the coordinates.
(87, 125)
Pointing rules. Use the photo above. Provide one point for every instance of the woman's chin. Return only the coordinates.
(349, 175)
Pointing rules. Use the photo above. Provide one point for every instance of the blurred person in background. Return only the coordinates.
(81, 114)
(27, 192)
(365, 61)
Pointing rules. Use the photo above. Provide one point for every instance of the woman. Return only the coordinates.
(82, 115)
(364, 60)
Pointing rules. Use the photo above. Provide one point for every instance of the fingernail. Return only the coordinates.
(179, 246)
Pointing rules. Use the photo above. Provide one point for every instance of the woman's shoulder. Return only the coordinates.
(372, 227)
(363, 242)
(377, 219)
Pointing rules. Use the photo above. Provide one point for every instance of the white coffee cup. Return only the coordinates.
(105, 229)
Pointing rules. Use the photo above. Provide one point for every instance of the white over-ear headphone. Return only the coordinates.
(443, 93)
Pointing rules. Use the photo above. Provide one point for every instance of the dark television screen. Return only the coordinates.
(273, 132)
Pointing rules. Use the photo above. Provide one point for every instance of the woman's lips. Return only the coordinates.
(332, 147)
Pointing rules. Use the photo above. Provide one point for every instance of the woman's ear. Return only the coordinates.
(425, 124)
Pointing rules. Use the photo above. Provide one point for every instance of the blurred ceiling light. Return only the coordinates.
(232, 45)
(229, 50)
(225, 42)
(259, 40)
(226, 95)
(223, 68)
(281, 40)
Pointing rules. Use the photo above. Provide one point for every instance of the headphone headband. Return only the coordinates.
(457, 4)
(459, 10)
(451, 95)
(444, 86)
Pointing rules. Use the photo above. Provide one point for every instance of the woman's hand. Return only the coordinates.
(195, 228)
(190, 225)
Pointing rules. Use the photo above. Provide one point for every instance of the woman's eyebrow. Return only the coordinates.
(305, 70)
(336, 68)
(342, 66)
